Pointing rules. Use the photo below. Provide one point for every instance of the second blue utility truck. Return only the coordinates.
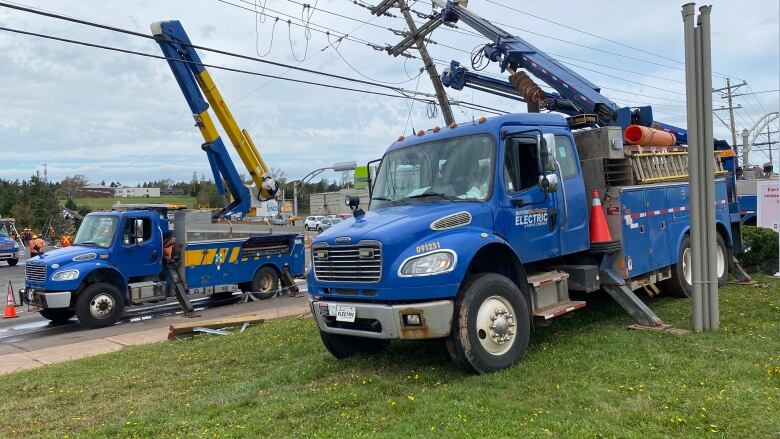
(119, 259)
(475, 231)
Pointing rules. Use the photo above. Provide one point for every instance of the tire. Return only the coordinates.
(99, 305)
(343, 346)
(12, 262)
(306, 227)
(319, 229)
(265, 283)
(484, 301)
(680, 284)
(57, 315)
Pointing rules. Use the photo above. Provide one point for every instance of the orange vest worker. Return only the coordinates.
(37, 246)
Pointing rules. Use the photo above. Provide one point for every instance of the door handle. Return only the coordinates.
(552, 219)
(154, 256)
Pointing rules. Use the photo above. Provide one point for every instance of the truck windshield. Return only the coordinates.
(456, 169)
(3, 229)
(97, 230)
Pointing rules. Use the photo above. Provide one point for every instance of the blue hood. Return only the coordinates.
(5, 241)
(65, 255)
(403, 223)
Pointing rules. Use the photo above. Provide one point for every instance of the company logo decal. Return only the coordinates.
(531, 217)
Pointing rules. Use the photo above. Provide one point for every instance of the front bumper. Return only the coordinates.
(46, 299)
(386, 321)
(9, 255)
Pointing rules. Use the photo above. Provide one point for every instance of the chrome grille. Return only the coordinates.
(6, 245)
(345, 264)
(452, 221)
(35, 272)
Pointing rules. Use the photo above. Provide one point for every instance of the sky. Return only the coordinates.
(120, 117)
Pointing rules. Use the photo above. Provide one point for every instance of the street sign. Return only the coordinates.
(768, 212)
(768, 200)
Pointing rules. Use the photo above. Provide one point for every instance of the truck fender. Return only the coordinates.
(106, 274)
(495, 255)
(720, 228)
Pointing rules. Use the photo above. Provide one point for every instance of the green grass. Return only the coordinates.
(107, 203)
(584, 376)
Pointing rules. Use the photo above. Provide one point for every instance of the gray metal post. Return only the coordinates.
(688, 10)
(699, 233)
(711, 243)
(745, 149)
(430, 67)
(295, 198)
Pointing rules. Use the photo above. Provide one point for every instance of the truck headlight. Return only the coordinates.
(66, 275)
(432, 263)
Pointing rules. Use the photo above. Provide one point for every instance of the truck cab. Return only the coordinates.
(9, 248)
(89, 279)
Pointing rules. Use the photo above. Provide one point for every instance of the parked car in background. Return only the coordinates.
(313, 222)
(281, 219)
(326, 223)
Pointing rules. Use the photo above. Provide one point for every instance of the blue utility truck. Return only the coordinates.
(118, 259)
(9, 248)
(476, 232)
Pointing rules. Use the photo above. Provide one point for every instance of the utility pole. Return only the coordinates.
(417, 36)
(729, 93)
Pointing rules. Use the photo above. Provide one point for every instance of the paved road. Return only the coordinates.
(30, 331)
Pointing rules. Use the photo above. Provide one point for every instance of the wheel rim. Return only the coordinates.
(101, 306)
(265, 283)
(496, 325)
(720, 261)
(687, 266)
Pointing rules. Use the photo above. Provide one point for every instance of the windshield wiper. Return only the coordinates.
(87, 243)
(381, 198)
(432, 194)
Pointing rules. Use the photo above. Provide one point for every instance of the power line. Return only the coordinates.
(404, 94)
(597, 36)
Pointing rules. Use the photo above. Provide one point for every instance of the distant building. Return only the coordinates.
(172, 191)
(148, 192)
(96, 191)
(332, 203)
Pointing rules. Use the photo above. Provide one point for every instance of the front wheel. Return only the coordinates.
(99, 305)
(306, 227)
(491, 327)
(343, 346)
(57, 315)
(12, 262)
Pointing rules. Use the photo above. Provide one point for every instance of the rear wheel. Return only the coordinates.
(12, 262)
(57, 315)
(491, 326)
(265, 283)
(99, 305)
(343, 346)
(681, 282)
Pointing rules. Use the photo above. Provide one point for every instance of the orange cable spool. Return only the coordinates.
(644, 136)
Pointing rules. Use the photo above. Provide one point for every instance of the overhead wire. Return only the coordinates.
(638, 49)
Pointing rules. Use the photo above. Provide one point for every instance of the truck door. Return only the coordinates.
(573, 204)
(528, 216)
(141, 246)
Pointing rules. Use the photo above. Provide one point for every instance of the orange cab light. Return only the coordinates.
(421, 132)
(436, 129)
(454, 125)
(482, 119)
(401, 138)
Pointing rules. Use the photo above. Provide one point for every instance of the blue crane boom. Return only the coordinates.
(575, 94)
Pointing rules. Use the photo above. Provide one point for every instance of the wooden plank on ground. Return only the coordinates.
(186, 328)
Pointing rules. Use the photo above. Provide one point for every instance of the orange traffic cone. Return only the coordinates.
(10, 309)
(599, 232)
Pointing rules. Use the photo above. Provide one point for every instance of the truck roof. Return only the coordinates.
(482, 125)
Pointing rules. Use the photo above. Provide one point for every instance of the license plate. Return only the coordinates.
(345, 313)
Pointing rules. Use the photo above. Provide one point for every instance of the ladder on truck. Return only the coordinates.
(658, 167)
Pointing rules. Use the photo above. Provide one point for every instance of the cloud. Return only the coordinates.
(115, 116)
